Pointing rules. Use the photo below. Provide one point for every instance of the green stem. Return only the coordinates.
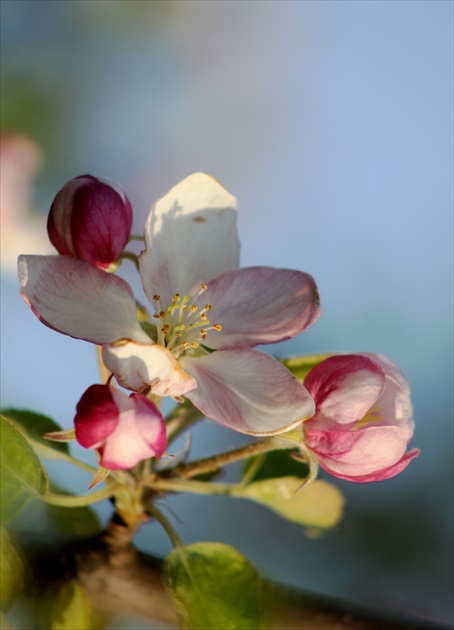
(80, 500)
(166, 524)
(130, 256)
(181, 419)
(209, 464)
(194, 487)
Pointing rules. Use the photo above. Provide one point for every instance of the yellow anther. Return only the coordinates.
(195, 344)
(203, 287)
(176, 297)
(217, 327)
(156, 297)
(157, 315)
(185, 345)
(207, 307)
(162, 313)
(203, 317)
(193, 308)
(165, 329)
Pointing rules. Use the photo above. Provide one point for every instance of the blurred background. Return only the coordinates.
(332, 124)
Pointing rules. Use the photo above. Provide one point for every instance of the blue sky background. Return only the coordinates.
(332, 124)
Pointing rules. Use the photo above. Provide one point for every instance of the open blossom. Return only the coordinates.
(124, 430)
(90, 218)
(363, 421)
(208, 314)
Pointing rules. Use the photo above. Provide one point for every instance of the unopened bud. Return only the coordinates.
(90, 218)
(124, 430)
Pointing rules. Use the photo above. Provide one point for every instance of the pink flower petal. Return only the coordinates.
(345, 387)
(79, 300)
(386, 473)
(97, 416)
(258, 305)
(137, 365)
(357, 453)
(190, 237)
(127, 445)
(248, 391)
(150, 424)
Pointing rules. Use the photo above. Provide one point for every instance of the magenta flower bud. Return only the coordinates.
(124, 430)
(363, 421)
(90, 218)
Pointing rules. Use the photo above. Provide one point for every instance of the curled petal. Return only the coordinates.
(345, 387)
(190, 236)
(385, 473)
(139, 434)
(258, 305)
(78, 299)
(137, 366)
(358, 453)
(248, 391)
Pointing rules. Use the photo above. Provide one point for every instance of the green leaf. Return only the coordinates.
(33, 426)
(11, 571)
(22, 474)
(300, 366)
(214, 587)
(71, 609)
(318, 505)
(278, 463)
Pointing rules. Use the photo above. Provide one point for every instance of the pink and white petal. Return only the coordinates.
(345, 387)
(190, 237)
(78, 299)
(394, 402)
(97, 415)
(137, 366)
(356, 453)
(150, 423)
(386, 473)
(125, 447)
(248, 391)
(258, 305)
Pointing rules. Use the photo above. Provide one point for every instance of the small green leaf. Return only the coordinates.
(300, 366)
(214, 587)
(71, 609)
(277, 463)
(11, 571)
(22, 474)
(318, 505)
(33, 426)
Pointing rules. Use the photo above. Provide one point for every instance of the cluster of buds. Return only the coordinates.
(355, 410)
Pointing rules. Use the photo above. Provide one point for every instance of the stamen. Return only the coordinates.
(204, 317)
(195, 344)
(185, 345)
(217, 327)
(193, 308)
(156, 297)
(157, 315)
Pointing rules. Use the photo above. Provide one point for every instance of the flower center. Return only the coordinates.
(183, 325)
(371, 417)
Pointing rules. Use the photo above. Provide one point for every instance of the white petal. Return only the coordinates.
(138, 365)
(190, 236)
(248, 391)
(79, 300)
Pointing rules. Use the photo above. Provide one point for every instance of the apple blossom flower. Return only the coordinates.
(363, 421)
(90, 218)
(124, 430)
(208, 314)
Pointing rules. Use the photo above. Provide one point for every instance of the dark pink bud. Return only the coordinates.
(124, 430)
(90, 218)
